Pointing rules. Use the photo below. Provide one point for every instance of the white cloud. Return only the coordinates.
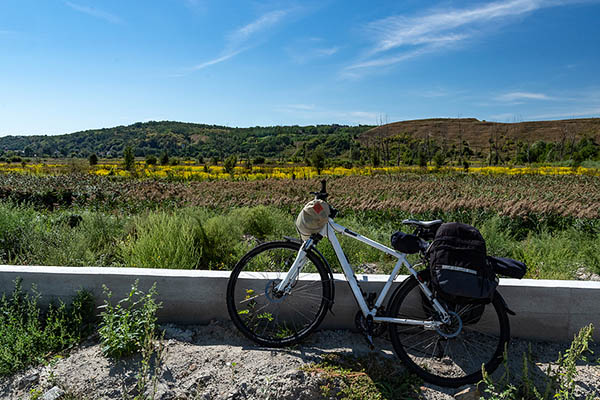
(217, 60)
(313, 113)
(516, 96)
(302, 53)
(237, 41)
(569, 113)
(437, 30)
(94, 12)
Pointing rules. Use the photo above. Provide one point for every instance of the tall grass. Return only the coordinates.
(27, 335)
(554, 247)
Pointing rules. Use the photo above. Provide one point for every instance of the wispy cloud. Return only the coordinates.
(569, 113)
(517, 96)
(238, 41)
(311, 112)
(302, 54)
(409, 37)
(94, 12)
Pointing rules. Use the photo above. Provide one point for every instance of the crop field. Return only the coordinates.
(413, 192)
(72, 217)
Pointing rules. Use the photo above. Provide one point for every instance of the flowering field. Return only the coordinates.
(416, 193)
(189, 170)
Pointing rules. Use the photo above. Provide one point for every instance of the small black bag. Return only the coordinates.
(407, 243)
(507, 267)
(458, 262)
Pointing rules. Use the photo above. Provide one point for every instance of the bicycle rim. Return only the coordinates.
(266, 317)
(440, 357)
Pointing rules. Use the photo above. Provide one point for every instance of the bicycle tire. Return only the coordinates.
(443, 361)
(283, 321)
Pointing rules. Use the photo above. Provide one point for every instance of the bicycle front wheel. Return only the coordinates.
(451, 355)
(270, 318)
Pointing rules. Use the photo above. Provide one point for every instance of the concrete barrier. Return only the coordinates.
(546, 310)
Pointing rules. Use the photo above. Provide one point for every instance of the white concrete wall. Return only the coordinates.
(547, 310)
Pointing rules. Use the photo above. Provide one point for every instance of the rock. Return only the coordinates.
(28, 380)
(470, 393)
(53, 394)
(582, 274)
(174, 332)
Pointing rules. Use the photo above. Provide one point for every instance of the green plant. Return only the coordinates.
(558, 382)
(128, 326)
(28, 335)
(128, 159)
(229, 164)
(367, 378)
(93, 159)
(165, 240)
(153, 351)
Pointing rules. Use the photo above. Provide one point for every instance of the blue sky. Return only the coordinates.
(82, 64)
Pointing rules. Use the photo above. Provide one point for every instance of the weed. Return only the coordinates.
(365, 378)
(29, 336)
(559, 380)
(128, 326)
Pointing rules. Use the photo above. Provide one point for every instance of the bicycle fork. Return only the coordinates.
(293, 274)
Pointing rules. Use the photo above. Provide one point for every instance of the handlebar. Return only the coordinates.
(322, 195)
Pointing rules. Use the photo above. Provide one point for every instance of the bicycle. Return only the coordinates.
(444, 343)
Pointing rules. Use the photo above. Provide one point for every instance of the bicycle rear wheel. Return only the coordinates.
(272, 319)
(452, 355)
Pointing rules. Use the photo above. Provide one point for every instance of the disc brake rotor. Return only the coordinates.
(452, 329)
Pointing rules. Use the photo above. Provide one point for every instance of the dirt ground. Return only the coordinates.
(215, 362)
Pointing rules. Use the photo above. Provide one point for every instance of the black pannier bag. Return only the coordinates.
(458, 262)
(507, 267)
(406, 243)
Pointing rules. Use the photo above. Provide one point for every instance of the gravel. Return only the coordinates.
(215, 362)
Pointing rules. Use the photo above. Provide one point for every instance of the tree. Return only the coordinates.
(128, 159)
(229, 164)
(164, 158)
(150, 160)
(317, 159)
(93, 159)
(439, 159)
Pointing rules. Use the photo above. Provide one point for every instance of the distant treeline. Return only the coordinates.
(308, 144)
(189, 140)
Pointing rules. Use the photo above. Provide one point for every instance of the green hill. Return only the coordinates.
(183, 139)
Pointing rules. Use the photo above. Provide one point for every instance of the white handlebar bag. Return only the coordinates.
(312, 218)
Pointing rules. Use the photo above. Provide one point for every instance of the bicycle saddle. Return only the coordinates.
(424, 224)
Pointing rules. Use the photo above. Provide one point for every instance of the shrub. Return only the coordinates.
(263, 222)
(93, 242)
(17, 227)
(28, 336)
(93, 159)
(151, 160)
(229, 164)
(221, 243)
(128, 159)
(127, 327)
(164, 240)
(164, 158)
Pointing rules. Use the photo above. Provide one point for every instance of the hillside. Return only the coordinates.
(188, 140)
(477, 133)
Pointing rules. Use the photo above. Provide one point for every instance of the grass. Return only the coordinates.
(366, 378)
(557, 383)
(553, 247)
(29, 336)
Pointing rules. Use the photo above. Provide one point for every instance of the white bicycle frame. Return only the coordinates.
(329, 231)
